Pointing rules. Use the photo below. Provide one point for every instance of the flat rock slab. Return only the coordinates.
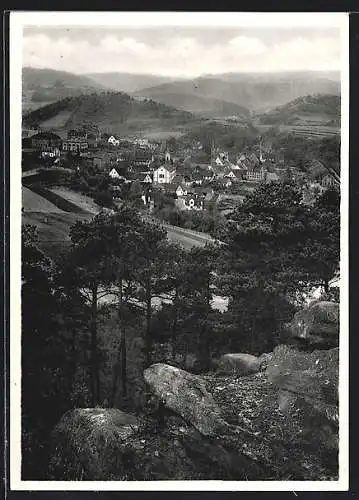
(186, 395)
(238, 364)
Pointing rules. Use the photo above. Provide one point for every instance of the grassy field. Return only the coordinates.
(54, 220)
(162, 134)
(53, 223)
(36, 203)
(53, 228)
(84, 202)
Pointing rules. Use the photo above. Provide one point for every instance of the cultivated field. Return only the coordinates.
(162, 134)
(304, 130)
(84, 202)
(32, 202)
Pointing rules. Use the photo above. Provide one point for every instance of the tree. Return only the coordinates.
(151, 274)
(45, 381)
(115, 254)
(278, 249)
(87, 271)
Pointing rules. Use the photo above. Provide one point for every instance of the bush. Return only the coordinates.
(104, 199)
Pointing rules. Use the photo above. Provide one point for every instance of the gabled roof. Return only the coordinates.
(143, 175)
(169, 167)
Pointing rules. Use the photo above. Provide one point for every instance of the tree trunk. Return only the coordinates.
(205, 346)
(174, 325)
(124, 363)
(95, 376)
(326, 286)
(121, 361)
(148, 343)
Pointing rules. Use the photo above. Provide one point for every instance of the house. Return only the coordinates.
(256, 174)
(114, 174)
(181, 190)
(235, 174)
(113, 141)
(55, 153)
(76, 141)
(193, 202)
(74, 145)
(164, 174)
(142, 158)
(46, 141)
(218, 161)
(145, 177)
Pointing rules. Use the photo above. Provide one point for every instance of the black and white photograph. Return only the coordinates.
(179, 197)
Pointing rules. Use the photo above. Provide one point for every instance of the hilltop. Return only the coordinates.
(322, 109)
(113, 111)
(43, 86)
(260, 92)
(203, 106)
(127, 82)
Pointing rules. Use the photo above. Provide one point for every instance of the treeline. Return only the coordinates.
(92, 320)
(105, 109)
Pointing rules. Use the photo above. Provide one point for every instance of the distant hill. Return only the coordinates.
(259, 92)
(127, 82)
(320, 109)
(203, 106)
(43, 86)
(115, 112)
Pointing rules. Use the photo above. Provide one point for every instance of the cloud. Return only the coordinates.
(180, 55)
(247, 45)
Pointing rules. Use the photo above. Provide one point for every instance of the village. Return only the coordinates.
(179, 269)
(194, 179)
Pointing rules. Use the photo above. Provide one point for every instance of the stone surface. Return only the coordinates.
(264, 359)
(186, 395)
(91, 443)
(309, 381)
(317, 326)
(238, 364)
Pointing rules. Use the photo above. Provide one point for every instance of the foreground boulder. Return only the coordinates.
(90, 444)
(317, 326)
(186, 395)
(309, 382)
(238, 364)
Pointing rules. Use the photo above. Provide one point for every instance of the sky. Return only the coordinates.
(181, 51)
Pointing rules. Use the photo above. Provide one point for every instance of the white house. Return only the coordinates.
(114, 174)
(146, 177)
(112, 140)
(181, 191)
(164, 175)
(218, 161)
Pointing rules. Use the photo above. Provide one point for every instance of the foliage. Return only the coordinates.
(48, 360)
(277, 249)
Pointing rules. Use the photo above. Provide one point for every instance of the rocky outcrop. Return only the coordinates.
(308, 381)
(91, 444)
(186, 395)
(317, 326)
(275, 425)
(238, 364)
